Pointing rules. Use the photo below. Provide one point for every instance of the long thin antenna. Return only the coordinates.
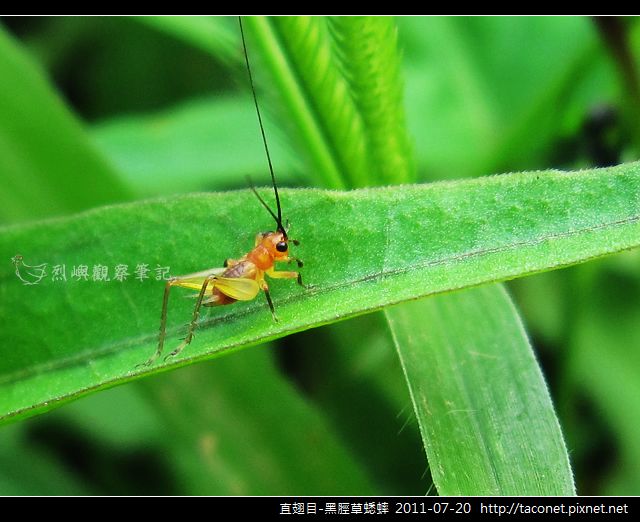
(264, 137)
(264, 203)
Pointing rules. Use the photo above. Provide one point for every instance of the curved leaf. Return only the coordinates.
(473, 375)
(298, 54)
(362, 250)
(367, 47)
(171, 152)
(209, 33)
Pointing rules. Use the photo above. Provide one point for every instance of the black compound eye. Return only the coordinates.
(281, 246)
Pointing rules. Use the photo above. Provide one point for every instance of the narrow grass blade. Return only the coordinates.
(367, 47)
(485, 414)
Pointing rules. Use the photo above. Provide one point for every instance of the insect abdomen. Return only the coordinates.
(241, 269)
(219, 299)
(245, 269)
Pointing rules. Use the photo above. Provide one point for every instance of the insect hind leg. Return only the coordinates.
(163, 322)
(194, 319)
(193, 281)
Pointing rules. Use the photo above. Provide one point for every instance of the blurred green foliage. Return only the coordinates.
(158, 106)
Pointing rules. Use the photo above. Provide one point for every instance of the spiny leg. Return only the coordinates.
(280, 274)
(298, 275)
(163, 323)
(297, 260)
(194, 320)
(265, 287)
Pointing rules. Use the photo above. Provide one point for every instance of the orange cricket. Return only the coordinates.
(240, 279)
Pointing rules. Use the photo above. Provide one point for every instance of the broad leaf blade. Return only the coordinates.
(362, 250)
(484, 410)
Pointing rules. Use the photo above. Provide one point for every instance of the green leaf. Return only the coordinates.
(604, 354)
(367, 49)
(346, 109)
(42, 476)
(363, 250)
(352, 366)
(484, 411)
(209, 33)
(488, 94)
(197, 424)
(178, 150)
(195, 431)
(41, 143)
(298, 54)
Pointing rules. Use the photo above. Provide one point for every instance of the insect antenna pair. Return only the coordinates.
(240, 279)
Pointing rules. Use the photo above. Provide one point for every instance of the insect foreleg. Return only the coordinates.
(285, 274)
(297, 260)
